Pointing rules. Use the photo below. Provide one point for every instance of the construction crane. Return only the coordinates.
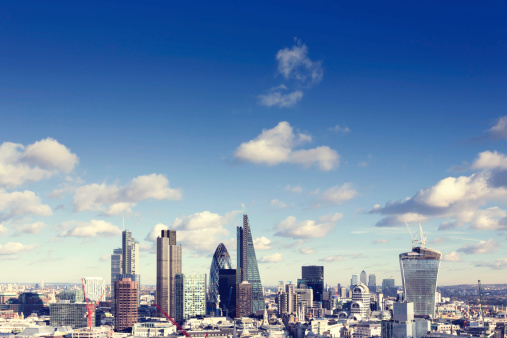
(172, 321)
(480, 301)
(90, 306)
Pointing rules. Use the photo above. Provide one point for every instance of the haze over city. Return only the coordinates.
(331, 125)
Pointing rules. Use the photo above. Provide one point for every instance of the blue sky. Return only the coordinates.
(327, 123)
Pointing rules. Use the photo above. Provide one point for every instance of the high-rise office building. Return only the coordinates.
(65, 313)
(362, 278)
(169, 263)
(227, 291)
(130, 252)
(388, 287)
(116, 266)
(372, 283)
(221, 260)
(313, 278)
(190, 296)
(247, 269)
(354, 280)
(360, 307)
(419, 272)
(125, 304)
(94, 288)
(244, 299)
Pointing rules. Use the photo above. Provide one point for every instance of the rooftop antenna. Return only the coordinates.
(414, 238)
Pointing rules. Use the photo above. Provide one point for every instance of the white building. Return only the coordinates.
(360, 307)
(190, 295)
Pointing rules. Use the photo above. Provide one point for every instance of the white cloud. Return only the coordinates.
(92, 228)
(481, 247)
(114, 200)
(104, 258)
(490, 160)
(332, 259)
(307, 228)
(33, 228)
(294, 64)
(340, 129)
(380, 241)
(278, 204)
(11, 248)
(199, 232)
(274, 258)
(19, 203)
(262, 243)
(40, 160)
(276, 146)
(295, 188)
(3, 230)
(275, 97)
(452, 257)
(499, 130)
(498, 264)
(307, 251)
(338, 194)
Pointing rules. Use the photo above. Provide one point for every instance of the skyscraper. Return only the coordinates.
(227, 291)
(116, 266)
(247, 269)
(221, 260)
(362, 278)
(244, 299)
(130, 251)
(419, 272)
(190, 296)
(372, 283)
(389, 288)
(313, 277)
(360, 307)
(169, 263)
(354, 280)
(125, 303)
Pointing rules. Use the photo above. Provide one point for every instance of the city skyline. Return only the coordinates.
(327, 124)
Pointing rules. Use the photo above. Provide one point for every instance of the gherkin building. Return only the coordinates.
(221, 260)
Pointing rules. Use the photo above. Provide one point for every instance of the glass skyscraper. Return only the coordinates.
(221, 260)
(247, 265)
(313, 278)
(419, 272)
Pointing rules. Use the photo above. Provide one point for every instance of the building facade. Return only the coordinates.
(388, 287)
(221, 260)
(190, 296)
(372, 283)
(313, 277)
(116, 266)
(227, 291)
(247, 269)
(244, 299)
(169, 263)
(419, 272)
(130, 250)
(360, 306)
(354, 280)
(362, 278)
(126, 298)
(65, 313)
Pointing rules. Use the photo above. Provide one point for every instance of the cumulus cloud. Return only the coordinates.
(37, 161)
(481, 247)
(332, 259)
(279, 97)
(262, 243)
(277, 145)
(306, 251)
(452, 257)
(338, 194)
(199, 232)
(307, 228)
(92, 228)
(294, 63)
(457, 200)
(274, 258)
(498, 264)
(499, 130)
(115, 200)
(19, 203)
(33, 228)
(11, 248)
(340, 129)
(379, 241)
(3, 230)
(296, 188)
(278, 204)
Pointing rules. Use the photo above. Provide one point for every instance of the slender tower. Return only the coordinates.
(169, 263)
(419, 272)
(247, 270)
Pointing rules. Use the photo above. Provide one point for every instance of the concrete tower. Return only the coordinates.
(169, 263)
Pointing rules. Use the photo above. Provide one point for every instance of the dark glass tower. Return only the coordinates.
(247, 265)
(221, 260)
(227, 291)
(313, 277)
(419, 272)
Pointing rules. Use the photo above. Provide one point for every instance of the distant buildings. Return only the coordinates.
(125, 304)
(247, 269)
(169, 263)
(419, 272)
(388, 288)
(362, 278)
(190, 296)
(313, 277)
(372, 283)
(354, 280)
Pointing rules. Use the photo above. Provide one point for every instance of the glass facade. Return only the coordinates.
(247, 265)
(190, 296)
(65, 313)
(419, 272)
(313, 277)
(221, 260)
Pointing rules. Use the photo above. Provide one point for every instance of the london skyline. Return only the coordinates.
(330, 125)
